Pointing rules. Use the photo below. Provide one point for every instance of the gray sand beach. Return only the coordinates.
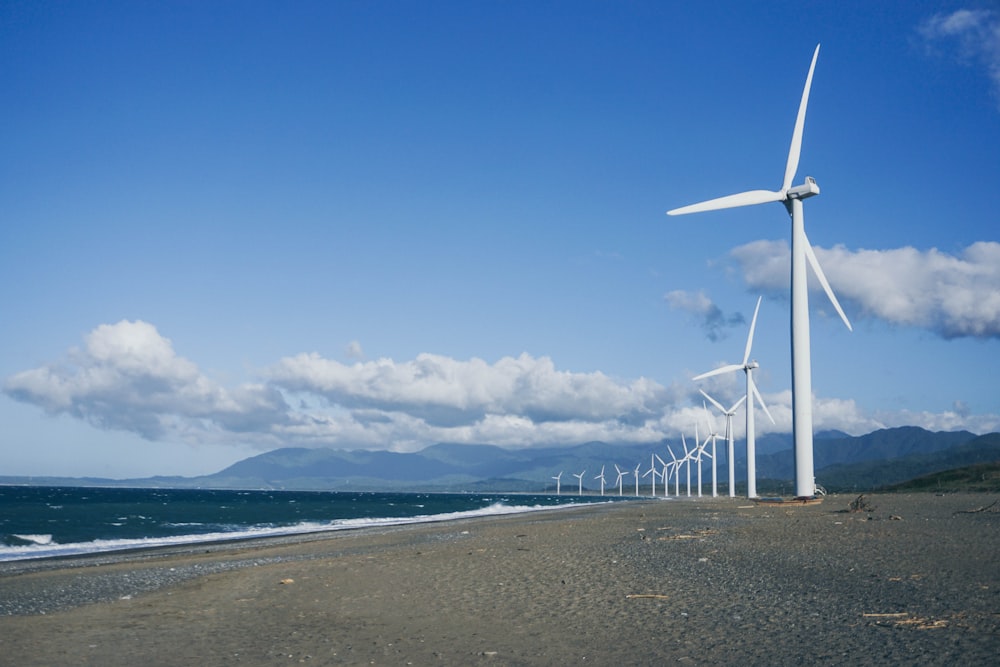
(913, 581)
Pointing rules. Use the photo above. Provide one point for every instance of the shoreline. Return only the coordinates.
(701, 581)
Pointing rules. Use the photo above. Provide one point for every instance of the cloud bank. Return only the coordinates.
(127, 377)
(954, 296)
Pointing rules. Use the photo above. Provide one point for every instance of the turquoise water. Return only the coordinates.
(40, 522)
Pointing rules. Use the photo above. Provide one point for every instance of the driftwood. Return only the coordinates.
(985, 508)
(860, 504)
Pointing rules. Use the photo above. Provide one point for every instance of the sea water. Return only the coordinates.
(43, 522)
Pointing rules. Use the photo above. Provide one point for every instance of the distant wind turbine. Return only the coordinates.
(687, 459)
(601, 477)
(752, 394)
(652, 471)
(621, 476)
(637, 476)
(729, 437)
(580, 480)
(677, 472)
(663, 476)
(558, 478)
(699, 448)
(802, 253)
(713, 436)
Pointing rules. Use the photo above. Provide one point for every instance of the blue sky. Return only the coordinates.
(230, 227)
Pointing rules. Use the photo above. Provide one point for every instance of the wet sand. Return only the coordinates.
(916, 581)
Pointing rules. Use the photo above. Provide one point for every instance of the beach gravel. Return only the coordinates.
(909, 580)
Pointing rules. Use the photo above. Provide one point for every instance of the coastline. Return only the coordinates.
(701, 581)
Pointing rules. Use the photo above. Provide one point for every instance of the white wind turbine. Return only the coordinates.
(699, 449)
(558, 478)
(652, 471)
(802, 252)
(713, 435)
(621, 476)
(601, 477)
(580, 480)
(677, 471)
(638, 466)
(665, 476)
(729, 437)
(752, 394)
(687, 458)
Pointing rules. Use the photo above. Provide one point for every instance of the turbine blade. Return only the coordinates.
(730, 201)
(753, 325)
(814, 263)
(719, 371)
(796, 148)
(753, 386)
(712, 400)
(736, 405)
(662, 462)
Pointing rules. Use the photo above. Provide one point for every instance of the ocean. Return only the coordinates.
(45, 522)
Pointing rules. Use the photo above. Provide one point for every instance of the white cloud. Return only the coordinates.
(449, 392)
(976, 32)
(127, 377)
(952, 295)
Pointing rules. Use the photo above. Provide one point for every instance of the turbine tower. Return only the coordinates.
(558, 482)
(752, 394)
(580, 480)
(802, 252)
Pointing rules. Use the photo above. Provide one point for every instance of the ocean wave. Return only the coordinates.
(42, 546)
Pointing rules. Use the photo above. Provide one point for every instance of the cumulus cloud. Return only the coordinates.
(447, 392)
(953, 296)
(976, 35)
(128, 377)
(713, 321)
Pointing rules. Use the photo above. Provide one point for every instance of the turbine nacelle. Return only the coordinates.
(804, 191)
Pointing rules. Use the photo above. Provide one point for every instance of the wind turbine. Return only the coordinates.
(802, 252)
(713, 436)
(601, 477)
(729, 437)
(637, 476)
(752, 394)
(557, 478)
(699, 448)
(621, 476)
(652, 471)
(687, 458)
(580, 479)
(677, 471)
(665, 476)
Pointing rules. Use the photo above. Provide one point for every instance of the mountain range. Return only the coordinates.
(843, 463)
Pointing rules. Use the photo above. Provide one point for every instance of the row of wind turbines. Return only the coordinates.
(699, 452)
(792, 197)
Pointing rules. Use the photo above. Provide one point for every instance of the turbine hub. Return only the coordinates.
(804, 191)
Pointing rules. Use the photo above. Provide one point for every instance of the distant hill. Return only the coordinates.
(978, 478)
(874, 474)
(843, 463)
(881, 445)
